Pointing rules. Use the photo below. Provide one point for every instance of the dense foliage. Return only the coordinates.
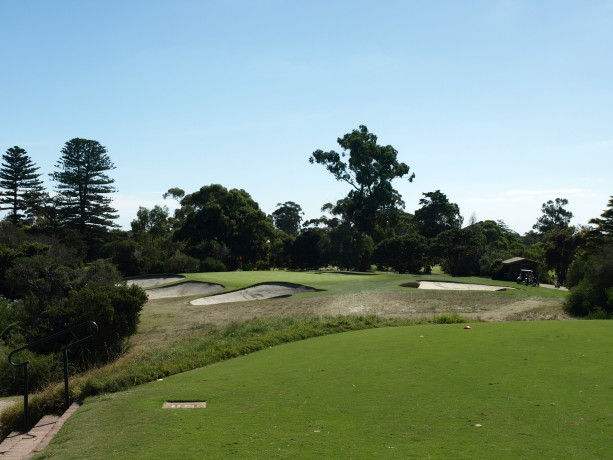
(53, 297)
(590, 276)
(62, 259)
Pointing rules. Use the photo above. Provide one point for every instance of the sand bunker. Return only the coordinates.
(257, 292)
(184, 289)
(157, 280)
(459, 286)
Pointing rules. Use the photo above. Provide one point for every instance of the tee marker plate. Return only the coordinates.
(184, 405)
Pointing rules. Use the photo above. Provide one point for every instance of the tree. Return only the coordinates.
(306, 251)
(554, 217)
(349, 248)
(604, 224)
(373, 204)
(83, 186)
(591, 284)
(560, 246)
(437, 214)
(403, 253)
(22, 190)
(154, 222)
(175, 193)
(459, 250)
(287, 217)
(216, 217)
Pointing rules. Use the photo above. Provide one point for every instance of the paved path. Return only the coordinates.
(21, 446)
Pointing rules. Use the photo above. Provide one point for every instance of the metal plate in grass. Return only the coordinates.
(184, 405)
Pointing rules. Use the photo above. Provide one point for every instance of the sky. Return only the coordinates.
(499, 104)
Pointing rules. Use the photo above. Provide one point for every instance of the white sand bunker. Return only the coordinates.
(257, 292)
(183, 289)
(155, 280)
(459, 286)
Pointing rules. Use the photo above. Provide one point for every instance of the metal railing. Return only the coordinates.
(75, 339)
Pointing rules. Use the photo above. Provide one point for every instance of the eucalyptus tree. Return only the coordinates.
(21, 190)
(437, 214)
(226, 225)
(554, 217)
(288, 217)
(372, 205)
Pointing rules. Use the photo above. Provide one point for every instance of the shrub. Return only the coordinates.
(43, 370)
(212, 265)
(181, 263)
(116, 310)
(405, 253)
(591, 284)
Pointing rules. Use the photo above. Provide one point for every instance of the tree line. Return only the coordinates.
(62, 257)
(52, 272)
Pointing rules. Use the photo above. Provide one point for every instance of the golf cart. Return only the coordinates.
(527, 277)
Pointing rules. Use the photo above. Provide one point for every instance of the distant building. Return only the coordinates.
(512, 267)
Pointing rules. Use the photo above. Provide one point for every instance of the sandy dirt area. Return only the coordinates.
(187, 288)
(171, 318)
(459, 286)
(258, 292)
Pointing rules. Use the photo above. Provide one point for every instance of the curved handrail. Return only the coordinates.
(36, 343)
(64, 349)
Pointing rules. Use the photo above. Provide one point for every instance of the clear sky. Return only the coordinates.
(500, 104)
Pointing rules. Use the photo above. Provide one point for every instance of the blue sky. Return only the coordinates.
(501, 105)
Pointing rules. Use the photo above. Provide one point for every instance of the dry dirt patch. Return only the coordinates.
(172, 317)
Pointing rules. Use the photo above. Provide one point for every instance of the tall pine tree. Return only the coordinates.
(83, 186)
(21, 190)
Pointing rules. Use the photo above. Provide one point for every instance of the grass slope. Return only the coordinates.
(538, 390)
(380, 294)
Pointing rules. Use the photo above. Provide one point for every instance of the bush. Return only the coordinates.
(591, 284)
(212, 265)
(97, 295)
(405, 253)
(116, 309)
(181, 263)
(43, 370)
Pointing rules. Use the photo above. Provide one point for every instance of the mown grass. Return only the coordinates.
(175, 338)
(330, 282)
(499, 390)
(186, 353)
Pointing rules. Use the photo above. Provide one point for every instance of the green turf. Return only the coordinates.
(538, 390)
(351, 282)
